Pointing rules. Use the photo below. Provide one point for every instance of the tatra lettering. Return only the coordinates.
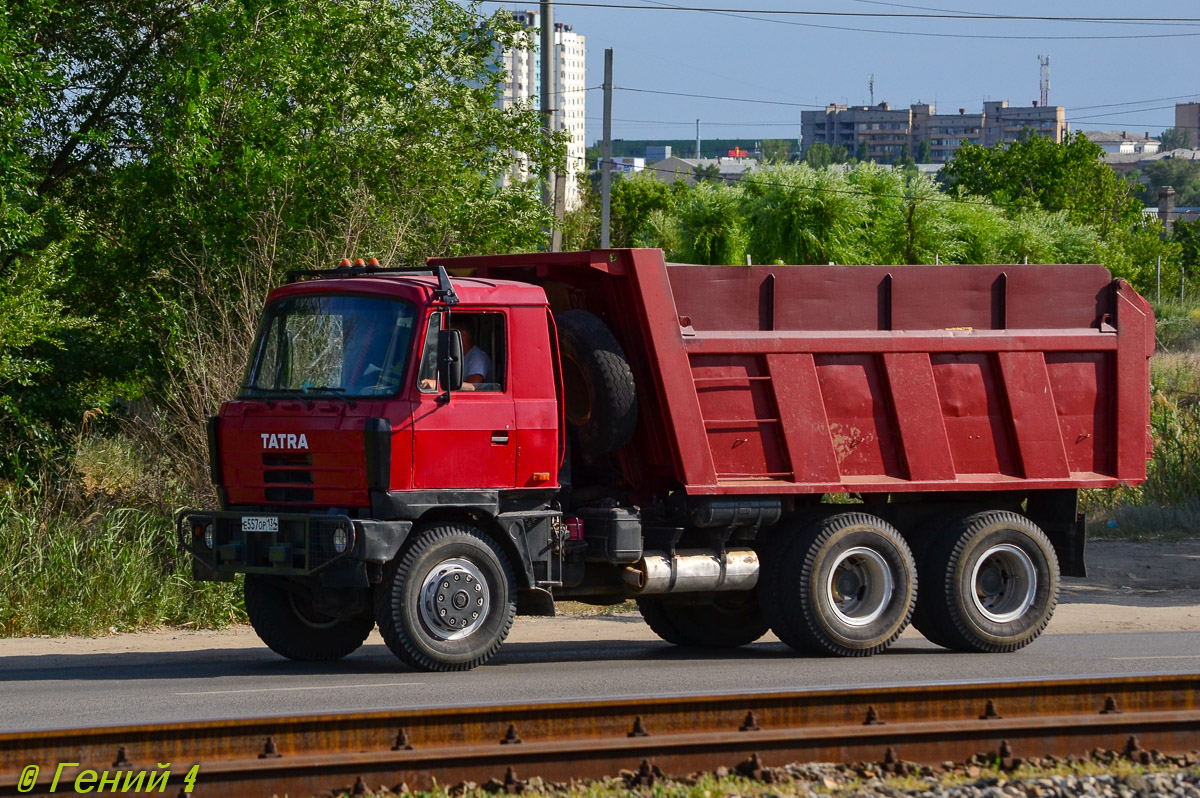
(284, 441)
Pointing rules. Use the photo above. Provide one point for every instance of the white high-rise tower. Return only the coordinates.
(568, 95)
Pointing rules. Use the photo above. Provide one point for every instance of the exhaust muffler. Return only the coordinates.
(693, 571)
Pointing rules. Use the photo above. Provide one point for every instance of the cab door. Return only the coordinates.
(469, 442)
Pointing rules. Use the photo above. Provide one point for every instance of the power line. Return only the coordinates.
(1133, 102)
(959, 13)
(715, 97)
(941, 197)
(693, 122)
(880, 14)
(821, 107)
(749, 14)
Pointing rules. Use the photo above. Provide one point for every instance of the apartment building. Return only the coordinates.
(887, 132)
(523, 87)
(1004, 123)
(1187, 117)
(947, 132)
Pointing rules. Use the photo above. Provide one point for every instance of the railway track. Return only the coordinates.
(929, 724)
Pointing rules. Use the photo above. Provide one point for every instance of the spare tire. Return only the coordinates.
(599, 395)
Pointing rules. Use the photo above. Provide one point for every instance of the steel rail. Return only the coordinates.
(559, 741)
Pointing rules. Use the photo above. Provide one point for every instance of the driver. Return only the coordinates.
(477, 364)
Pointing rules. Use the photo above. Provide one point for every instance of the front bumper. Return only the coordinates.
(300, 545)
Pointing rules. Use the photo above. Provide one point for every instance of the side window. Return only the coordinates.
(485, 351)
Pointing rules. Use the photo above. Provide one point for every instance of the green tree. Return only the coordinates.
(634, 198)
(707, 174)
(906, 220)
(711, 228)
(818, 155)
(1176, 139)
(581, 225)
(777, 150)
(36, 240)
(169, 133)
(797, 214)
(863, 152)
(1038, 172)
(1187, 236)
(924, 152)
(1183, 176)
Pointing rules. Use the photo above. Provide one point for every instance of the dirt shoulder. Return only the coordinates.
(1143, 586)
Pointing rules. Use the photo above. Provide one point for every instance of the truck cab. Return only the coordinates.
(355, 421)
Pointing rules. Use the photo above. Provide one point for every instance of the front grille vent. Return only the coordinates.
(289, 477)
(287, 459)
(289, 494)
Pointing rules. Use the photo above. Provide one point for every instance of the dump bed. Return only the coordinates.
(813, 379)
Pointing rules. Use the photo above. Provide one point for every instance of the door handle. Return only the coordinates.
(500, 437)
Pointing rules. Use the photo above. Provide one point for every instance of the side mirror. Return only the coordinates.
(450, 360)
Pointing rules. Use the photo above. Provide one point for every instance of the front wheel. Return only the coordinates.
(447, 603)
(845, 587)
(991, 584)
(291, 626)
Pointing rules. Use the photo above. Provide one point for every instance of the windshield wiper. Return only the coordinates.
(287, 393)
(333, 391)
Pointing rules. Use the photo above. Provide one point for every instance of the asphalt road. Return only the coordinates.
(59, 690)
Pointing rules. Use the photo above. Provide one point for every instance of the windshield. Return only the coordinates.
(340, 345)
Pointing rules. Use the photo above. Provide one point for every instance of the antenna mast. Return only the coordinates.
(871, 86)
(1044, 82)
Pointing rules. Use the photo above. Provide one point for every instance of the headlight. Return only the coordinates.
(208, 535)
(340, 540)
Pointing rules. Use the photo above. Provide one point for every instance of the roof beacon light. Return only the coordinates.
(373, 263)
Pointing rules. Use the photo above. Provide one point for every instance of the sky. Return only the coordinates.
(785, 60)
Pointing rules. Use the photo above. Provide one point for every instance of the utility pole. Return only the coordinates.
(697, 138)
(548, 98)
(606, 164)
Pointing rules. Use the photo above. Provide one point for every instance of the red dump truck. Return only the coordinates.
(827, 452)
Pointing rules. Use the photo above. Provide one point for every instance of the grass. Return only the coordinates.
(88, 566)
(842, 781)
(1167, 505)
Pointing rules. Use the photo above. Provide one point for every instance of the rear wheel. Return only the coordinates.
(991, 585)
(448, 602)
(290, 626)
(845, 587)
(729, 620)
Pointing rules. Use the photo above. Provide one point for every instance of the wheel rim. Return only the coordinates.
(578, 408)
(454, 599)
(1004, 583)
(860, 586)
(308, 616)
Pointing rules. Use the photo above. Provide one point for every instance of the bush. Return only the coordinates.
(88, 567)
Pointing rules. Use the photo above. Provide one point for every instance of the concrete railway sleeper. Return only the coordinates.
(1142, 718)
(435, 454)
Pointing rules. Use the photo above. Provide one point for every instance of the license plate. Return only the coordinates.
(260, 523)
